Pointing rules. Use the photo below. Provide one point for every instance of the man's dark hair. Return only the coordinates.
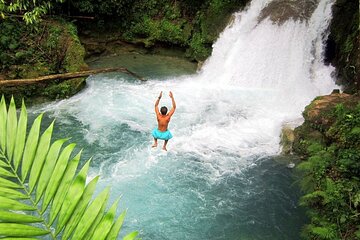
(163, 110)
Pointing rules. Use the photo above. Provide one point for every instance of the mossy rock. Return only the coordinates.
(343, 44)
(64, 89)
(287, 140)
(42, 92)
(74, 57)
(304, 137)
(320, 112)
(58, 50)
(30, 71)
(320, 116)
(68, 51)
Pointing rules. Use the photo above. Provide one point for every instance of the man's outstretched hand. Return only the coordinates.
(170, 94)
(160, 95)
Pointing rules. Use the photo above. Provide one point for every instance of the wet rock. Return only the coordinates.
(319, 117)
(279, 11)
(319, 112)
(287, 140)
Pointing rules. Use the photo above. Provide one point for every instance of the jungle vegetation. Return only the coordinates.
(331, 173)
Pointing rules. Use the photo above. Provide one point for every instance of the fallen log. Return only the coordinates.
(65, 76)
(80, 17)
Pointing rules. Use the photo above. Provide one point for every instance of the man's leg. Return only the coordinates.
(164, 147)
(155, 143)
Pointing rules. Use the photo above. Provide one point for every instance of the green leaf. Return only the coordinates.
(72, 198)
(131, 236)
(19, 238)
(6, 173)
(11, 193)
(20, 136)
(55, 179)
(3, 164)
(40, 155)
(64, 187)
(48, 168)
(37, 165)
(96, 222)
(9, 217)
(324, 232)
(11, 126)
(20, 230)
(80, 208)
(30, 147)
(6, 183)
(106, 223)
(90, 214)
(357, 233)
(114, 232)
(11, 204)
(3, 118)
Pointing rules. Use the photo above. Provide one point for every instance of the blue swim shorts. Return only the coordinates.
(161, 135)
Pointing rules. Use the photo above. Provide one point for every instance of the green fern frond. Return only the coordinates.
(325, 233)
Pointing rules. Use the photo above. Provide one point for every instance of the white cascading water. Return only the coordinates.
(260, 75)
(229, 115)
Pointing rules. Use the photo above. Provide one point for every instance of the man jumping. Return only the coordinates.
(163, 118)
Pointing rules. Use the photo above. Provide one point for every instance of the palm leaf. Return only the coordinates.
(7, 216)
(115, 229)
(91, 214)
(3, 117)
(105, 225)
(41, 192)
(72, 198)
(80, 208)
(131, 236)
(20, 136)
(12, 193)
(40, 155)
(11, 127)
(20, 230)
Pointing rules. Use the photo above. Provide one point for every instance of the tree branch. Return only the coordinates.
(65, 76)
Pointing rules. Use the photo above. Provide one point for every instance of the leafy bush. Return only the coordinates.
(28, 51)
(10, 35)
(41, 191)
(32, 10)
(194, 25)
(331, 179)
(198, 47)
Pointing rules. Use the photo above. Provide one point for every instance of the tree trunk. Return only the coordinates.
(65, 76)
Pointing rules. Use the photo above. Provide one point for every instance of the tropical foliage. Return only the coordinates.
(193, 25)
(32, 11)
(52, 47)
(41, 190)
(332, 178)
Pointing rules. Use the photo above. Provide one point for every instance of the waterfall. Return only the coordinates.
(286, 57)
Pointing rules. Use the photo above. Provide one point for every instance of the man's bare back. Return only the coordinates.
(163, 122)
(163, 119)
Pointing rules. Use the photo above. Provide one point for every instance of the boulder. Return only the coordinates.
(319, 116)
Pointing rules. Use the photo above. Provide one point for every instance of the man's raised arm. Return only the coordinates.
(173, 104)
(157, 103)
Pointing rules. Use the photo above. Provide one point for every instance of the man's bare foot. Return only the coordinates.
(164, 148)
(154, 145)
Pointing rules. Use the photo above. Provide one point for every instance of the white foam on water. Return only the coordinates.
(259, 76)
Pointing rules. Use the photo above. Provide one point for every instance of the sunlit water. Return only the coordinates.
(218, 180)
